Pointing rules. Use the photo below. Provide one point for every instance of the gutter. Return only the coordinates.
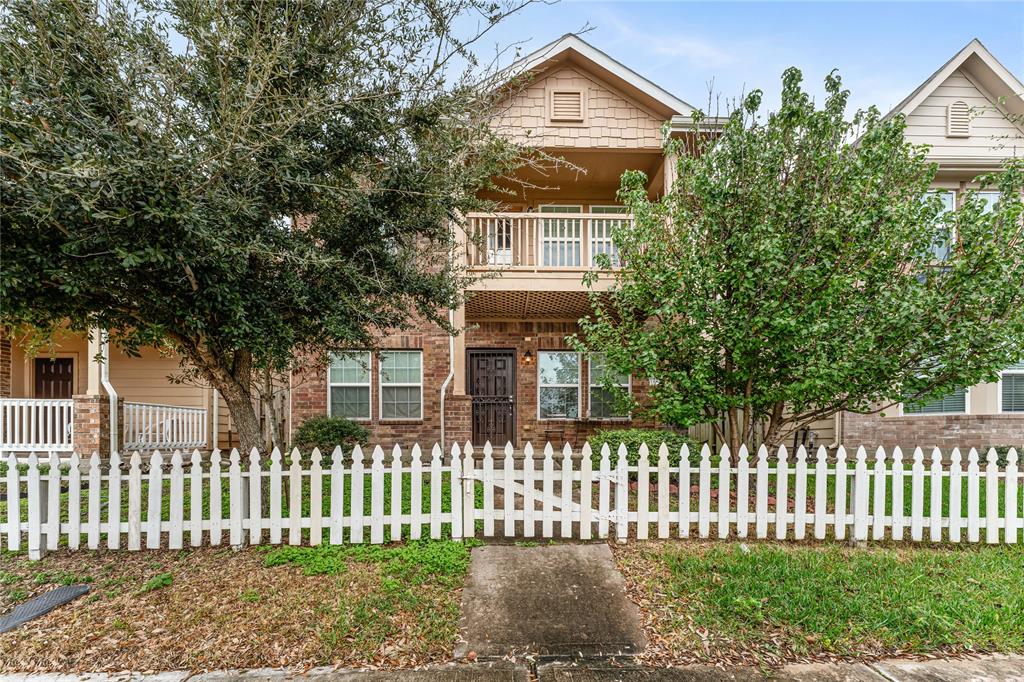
(451, 371)
(109, 388)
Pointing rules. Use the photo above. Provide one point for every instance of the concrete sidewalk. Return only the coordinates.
(982, 669)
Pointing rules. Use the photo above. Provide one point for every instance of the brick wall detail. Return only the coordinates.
(928, 431)
(91, 428)
(6, 367)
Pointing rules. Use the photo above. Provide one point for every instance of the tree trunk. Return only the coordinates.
(734, 434)
(243, 416)
(268, 395)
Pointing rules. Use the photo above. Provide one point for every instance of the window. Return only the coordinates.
(602, 231)
(1011, 389)
(401, 384)
(562, 237)
(558, 391)
(349, 385)
(990, 198)
(942, 248)
(603, 402)
(954, 403)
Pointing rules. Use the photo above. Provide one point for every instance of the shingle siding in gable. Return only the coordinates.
(611, 120)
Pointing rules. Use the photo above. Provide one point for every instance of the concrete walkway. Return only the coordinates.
(984, 669)
(550, 601)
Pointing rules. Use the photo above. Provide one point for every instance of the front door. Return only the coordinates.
(55, 378)
(492, 383)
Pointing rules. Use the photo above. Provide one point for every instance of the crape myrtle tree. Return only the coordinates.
(155, 153)
(798, 268)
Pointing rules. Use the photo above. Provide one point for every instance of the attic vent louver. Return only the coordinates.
(958, 120)
(567, 105)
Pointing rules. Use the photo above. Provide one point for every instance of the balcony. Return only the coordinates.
(535, 242)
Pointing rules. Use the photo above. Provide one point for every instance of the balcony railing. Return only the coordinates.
(30, 424)
(148, 426)
(549, 241)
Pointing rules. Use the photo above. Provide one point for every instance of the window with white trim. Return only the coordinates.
(349, 385)
(991, 198)
(558, 385)
(1011, 388)
(941, 249)
(954, 403)
(401, 384)
(604, 402)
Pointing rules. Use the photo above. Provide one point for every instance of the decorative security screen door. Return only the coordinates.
(492, 385)
(54, 378)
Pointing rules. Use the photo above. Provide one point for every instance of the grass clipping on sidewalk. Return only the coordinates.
(372, 606)
(768, 604)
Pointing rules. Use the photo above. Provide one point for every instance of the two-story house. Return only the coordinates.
(509, 376)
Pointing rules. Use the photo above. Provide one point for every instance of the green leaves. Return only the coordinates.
(144, 178)
(790, 273)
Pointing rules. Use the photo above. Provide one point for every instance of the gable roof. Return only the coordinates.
(572, 48)
(983, 67)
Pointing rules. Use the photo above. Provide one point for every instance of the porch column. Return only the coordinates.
(6, 367)
(90, 430)
(459, 359)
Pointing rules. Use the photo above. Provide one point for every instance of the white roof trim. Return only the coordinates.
(571, 41)
(973, 48)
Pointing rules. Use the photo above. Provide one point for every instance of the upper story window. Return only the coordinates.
(1011, 388)
(401, 384)
(602, 230)
(942, 248)
(558, 385)
(958, 119)
(991, 198)
(603, 403)
(349, 385)
(561, 235)
(566, 105)
(954, 403)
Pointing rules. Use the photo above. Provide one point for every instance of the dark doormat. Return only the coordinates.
(41, 605)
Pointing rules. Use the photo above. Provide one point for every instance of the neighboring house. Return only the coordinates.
(509, 375)
(971, 112)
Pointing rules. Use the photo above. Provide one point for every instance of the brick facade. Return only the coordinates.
(309, 391)
(309, 387)
(91, 424)
(944, 431)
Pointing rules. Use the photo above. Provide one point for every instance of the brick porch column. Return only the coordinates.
(6, 367)
(91, 424)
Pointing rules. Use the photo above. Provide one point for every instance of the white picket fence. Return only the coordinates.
(471, 493)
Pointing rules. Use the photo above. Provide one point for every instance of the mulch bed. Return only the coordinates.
(222, 609)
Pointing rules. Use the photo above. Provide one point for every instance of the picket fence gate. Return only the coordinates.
(469, 493)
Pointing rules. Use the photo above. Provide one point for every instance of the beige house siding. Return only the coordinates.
(610, 119)
(992, 135)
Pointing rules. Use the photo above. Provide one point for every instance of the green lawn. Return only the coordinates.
(769, 601)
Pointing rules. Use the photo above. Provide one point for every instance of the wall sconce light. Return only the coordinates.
(528, 358)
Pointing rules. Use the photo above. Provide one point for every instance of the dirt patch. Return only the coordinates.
(216, 608)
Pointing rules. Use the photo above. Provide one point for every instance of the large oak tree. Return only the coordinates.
(155, 151)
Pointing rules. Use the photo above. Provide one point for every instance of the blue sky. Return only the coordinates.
(882, 50)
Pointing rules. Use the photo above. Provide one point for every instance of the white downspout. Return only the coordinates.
(109, 388)
(451, 372)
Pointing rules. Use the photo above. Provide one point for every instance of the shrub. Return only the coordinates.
(632, 438)
(327, 432)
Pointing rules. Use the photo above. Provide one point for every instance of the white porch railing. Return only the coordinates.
(541, 240)
(28, 424)
(148, 426)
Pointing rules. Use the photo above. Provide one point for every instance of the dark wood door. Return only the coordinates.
(55, 378)
(492, 383)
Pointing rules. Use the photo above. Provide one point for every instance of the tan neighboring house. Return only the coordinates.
(971, 113)
(509, 376)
